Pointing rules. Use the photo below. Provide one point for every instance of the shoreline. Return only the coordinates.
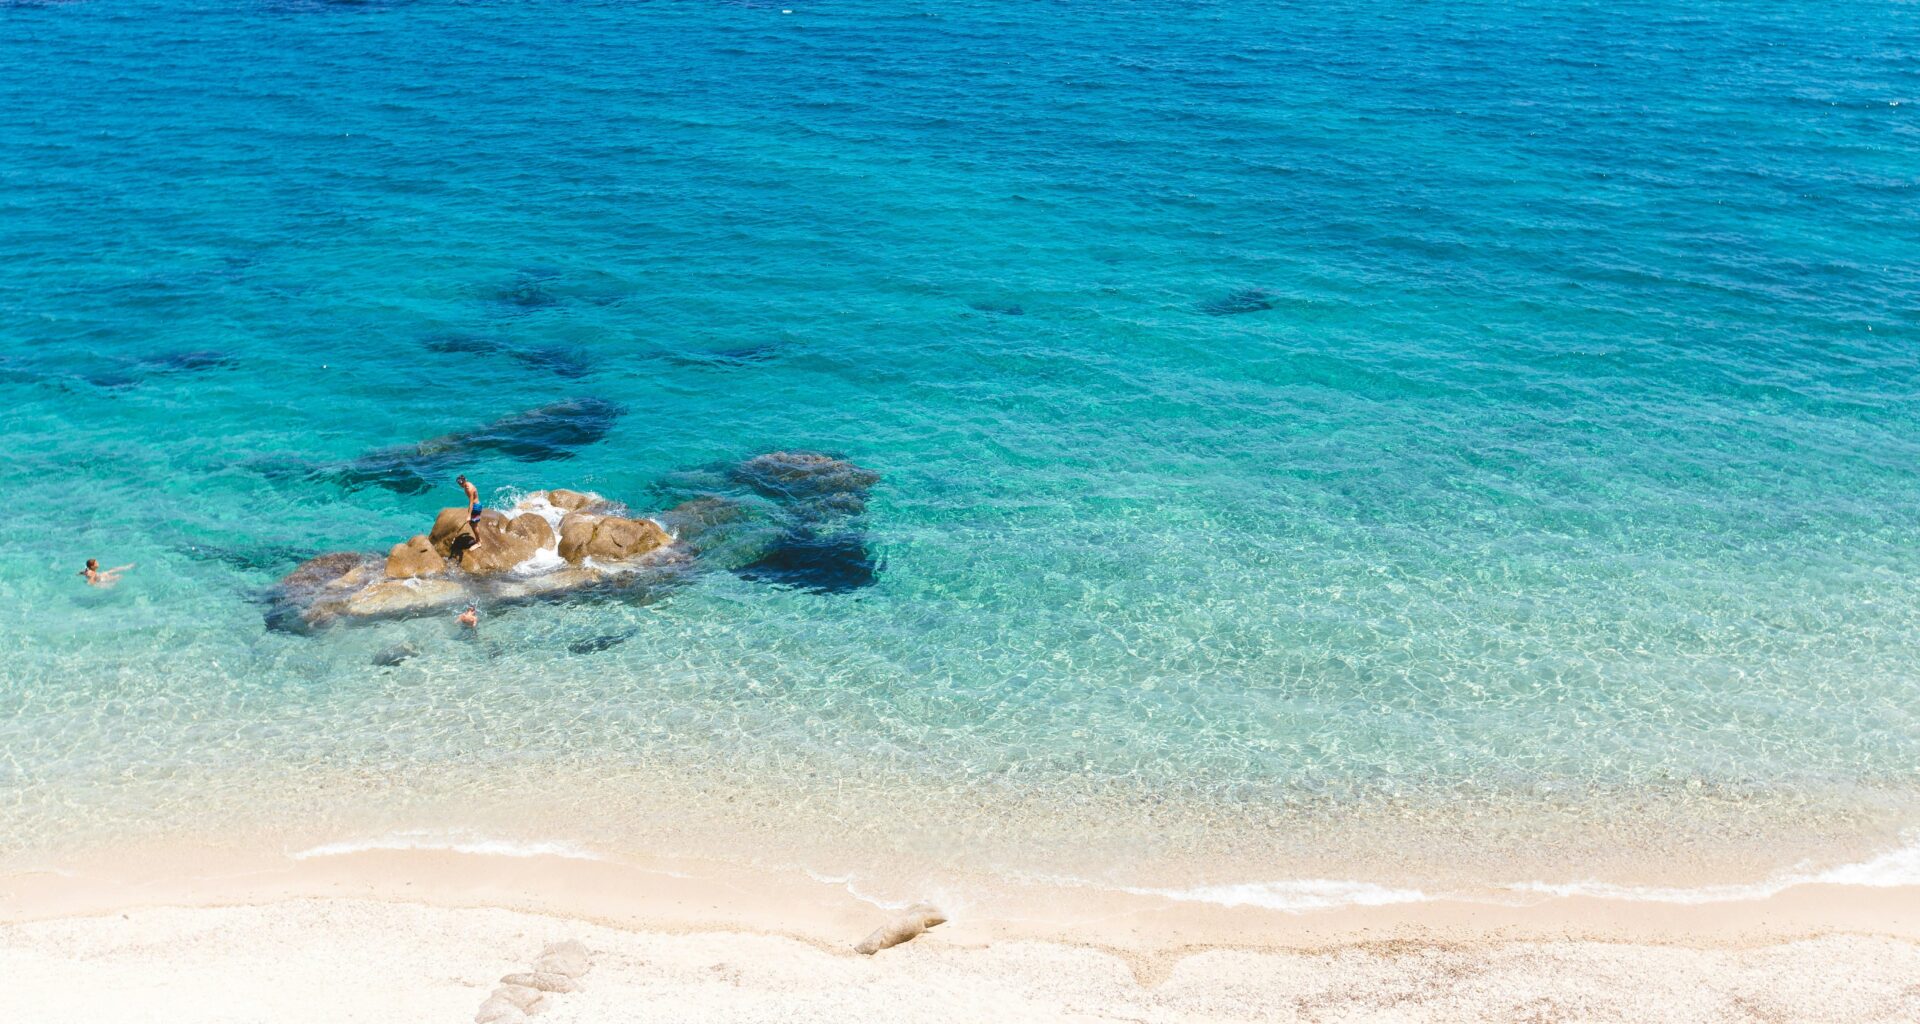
(425, 934)
(687, 893)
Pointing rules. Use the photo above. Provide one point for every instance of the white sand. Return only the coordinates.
(332, 960)
(194, 934)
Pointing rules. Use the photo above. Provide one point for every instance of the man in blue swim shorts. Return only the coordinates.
(473, 509)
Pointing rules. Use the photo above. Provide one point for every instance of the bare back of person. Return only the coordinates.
(98, 577)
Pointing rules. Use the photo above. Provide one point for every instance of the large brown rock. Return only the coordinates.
(504, 543)
(576, 531)
(322, 571)
(316, 591)
(609, 538)
(415, 557)
(573, 501)
(450, 531)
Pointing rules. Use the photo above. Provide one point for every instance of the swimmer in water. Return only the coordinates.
(473, 510)
(103, 579)
(470, 618)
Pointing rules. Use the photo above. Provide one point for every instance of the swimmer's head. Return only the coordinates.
(461, 479)
(94, 564)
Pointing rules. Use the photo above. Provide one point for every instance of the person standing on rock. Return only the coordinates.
(473, 510)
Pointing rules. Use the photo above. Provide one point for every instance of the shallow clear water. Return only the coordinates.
(1472, 405)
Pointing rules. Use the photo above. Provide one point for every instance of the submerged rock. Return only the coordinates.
(249, 559)
(322, 570)
(558, 360)
(165, 363)
(461, 344)
(395, 654)
(316, 591)
(804, 560)
(389, 598)
(528, 292)
(596, 644)
(1234, 303)
(804, 475)
(745, 355)
(555, 359)
(548, 433)
(570, 581)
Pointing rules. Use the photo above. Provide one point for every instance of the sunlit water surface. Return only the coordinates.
(1430, 428)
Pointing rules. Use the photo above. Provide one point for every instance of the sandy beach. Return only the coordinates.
(388, 935)
(1343, 512)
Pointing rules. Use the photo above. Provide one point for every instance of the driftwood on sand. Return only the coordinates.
(904, 926)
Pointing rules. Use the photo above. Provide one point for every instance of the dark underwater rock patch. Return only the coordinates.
(392, 655)
(12, 371)
(819, 563)
(546, 434)
(559, 360)
(462, 344)
(596, 644)
(699, 521)
(789, 518)
(1235, 303)
(555, 359)
(527, 293)
(741, 356)
(804, 476)
(292, 602)
(164, 364)
(258, 558)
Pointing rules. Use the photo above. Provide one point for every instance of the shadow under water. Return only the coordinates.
(558, 360)
(727, 358)
(144, 368)
(808, 533)
(1234, 303)
(833, 563)
(546, 434)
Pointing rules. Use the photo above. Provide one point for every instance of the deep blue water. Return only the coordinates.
(1269, 399)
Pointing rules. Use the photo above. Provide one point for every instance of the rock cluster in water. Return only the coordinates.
(788, 518)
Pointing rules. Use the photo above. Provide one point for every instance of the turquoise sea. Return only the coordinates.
(1491, 425)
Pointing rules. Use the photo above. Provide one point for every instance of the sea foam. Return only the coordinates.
(1897, 867)
(428, 841)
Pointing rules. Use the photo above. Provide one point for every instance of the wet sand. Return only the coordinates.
(180, 934)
